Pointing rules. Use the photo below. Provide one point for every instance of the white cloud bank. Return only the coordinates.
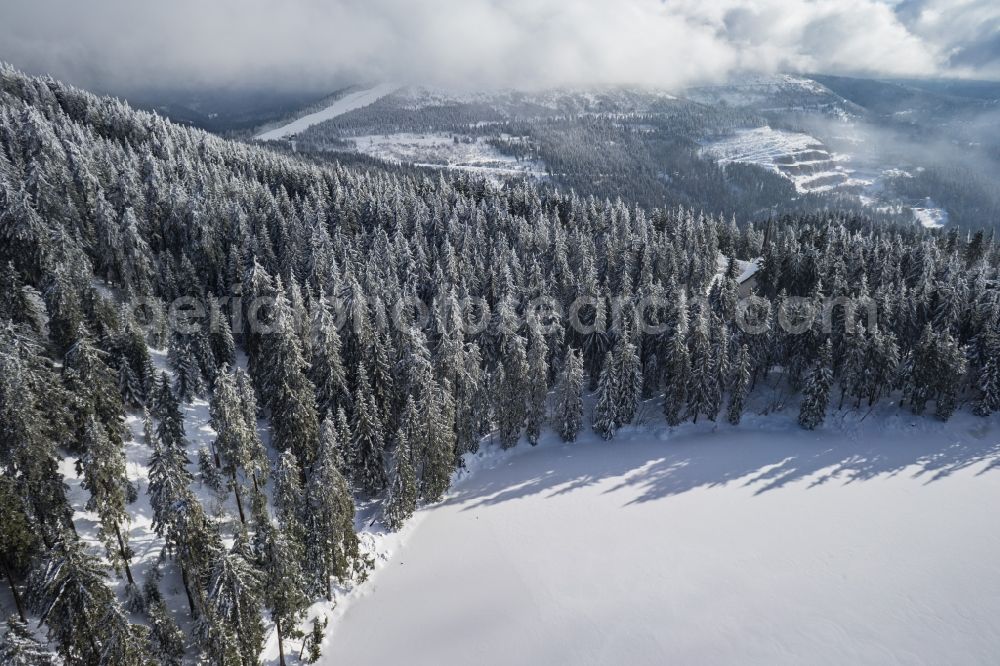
(315, 43)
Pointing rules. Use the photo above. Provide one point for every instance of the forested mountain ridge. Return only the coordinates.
(352, 298)
(754, 146)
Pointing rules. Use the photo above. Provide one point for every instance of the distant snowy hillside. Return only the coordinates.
(867, 542)
(774, 93)
(544, 103)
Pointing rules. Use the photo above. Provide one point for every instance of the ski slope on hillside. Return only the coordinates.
(870, 541)
(349, 102)
(799, 157)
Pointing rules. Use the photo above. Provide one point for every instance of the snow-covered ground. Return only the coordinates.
(349, 102)
(930, 215)
(443, 151)
(870, 541)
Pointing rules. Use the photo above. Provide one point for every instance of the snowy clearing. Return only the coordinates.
(443, 151)
(868, 542)
(930, 215)
(349, 102)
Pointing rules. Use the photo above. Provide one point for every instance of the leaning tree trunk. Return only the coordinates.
(187, 591)
(124, 553)
(239, 497)
(14, 592)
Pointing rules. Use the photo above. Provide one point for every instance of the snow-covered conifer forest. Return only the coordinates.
(230, 377)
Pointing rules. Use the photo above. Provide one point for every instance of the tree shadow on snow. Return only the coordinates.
(763, 455)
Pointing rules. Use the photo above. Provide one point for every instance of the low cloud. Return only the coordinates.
(316, 45)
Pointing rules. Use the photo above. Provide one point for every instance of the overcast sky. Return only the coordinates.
(317, 44)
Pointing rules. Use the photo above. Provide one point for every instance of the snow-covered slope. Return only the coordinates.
(801, 158)
(782, 92)
(930, 215)
(868, 542)
(348, 102)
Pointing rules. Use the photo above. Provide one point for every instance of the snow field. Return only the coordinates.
(867, 542)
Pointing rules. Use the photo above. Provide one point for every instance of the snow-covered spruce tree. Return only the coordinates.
(255, 462)
(122, 642)
(69, 593)
(629, 380)
(511, 387)
(437, 459)
(739, 386)
(937, 368)
(103, 470)
(816, 393)
(677, 365)
(332, 549)
(285, 585)
(472, 404)
(20, 647)
(289, 495)
(220, 337)
(188, 383)
(538, 388)
(18, 542)
(605, 417)
(289, 394)
(596, 343)
(166, 640)
(129, 384)
(854, 366)
(951, 373)
(702, 380)
(232, 619)
(327, 369)
(235, 445)
(93, 388)
(569, 399)
(402, 499)
(367, 439)
(988, 376)
(883, 364)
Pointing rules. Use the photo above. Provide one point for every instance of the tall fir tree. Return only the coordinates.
(569, 401)
(816, 393)
(367, 439)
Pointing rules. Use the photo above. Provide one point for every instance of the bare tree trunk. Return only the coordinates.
(124, 553)
(13, 590)
(187, 591)
(239, 498)
(281, 643)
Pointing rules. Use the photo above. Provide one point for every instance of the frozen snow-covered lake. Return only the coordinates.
(870, 544)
